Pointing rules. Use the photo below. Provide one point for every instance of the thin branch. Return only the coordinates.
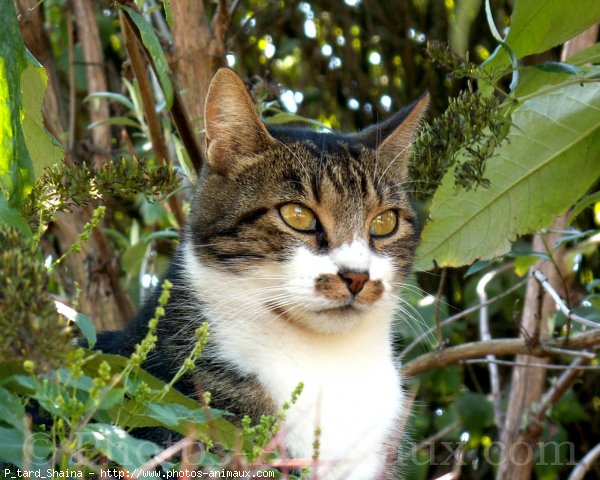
(89, 36)
(178, 114)
(221, 20)
(139, 68)
(438, 298)
(70, 151)
(154, 126)
(485, 335)
(541, 278)
(234, 6)
(586, 463)
(548, 366)
(163, 456)
(537, 413)
(569, 352)
(564, 382)
(512, 346)
(439, 435)
(412, 345)
(159, 21)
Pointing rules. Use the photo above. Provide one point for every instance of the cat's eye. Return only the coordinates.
(384, 224)
(298, 217)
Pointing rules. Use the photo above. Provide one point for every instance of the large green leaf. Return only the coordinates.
(41, 147)
(533, 79)
(12, 411)
(188, 414)
(118, 445)
(11, 446)
(549, 161)
(537, 25)
(588, 55)
(12, 217)
(16, 169)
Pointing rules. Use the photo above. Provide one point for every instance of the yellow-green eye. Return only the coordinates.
(298, 217)
(384, 224)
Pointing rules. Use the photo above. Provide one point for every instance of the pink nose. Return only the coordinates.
(355, 281)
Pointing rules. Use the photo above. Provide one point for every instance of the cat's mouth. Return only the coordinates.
(349, 308)
(343, 310)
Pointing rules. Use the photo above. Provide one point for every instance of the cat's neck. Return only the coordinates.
(346, 375)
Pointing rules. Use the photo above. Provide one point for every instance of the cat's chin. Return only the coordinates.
(329, 321)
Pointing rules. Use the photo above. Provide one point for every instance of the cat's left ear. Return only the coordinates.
(393, 138)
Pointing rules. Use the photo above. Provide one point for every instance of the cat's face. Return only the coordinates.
(317, 226)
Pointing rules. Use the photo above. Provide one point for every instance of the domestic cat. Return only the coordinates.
(294, 250)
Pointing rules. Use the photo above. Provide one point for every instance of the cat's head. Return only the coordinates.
(317, 226)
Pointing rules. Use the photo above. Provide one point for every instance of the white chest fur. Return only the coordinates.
(351, 390)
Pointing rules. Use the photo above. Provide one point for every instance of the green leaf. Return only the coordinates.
(282, 117)
(114, 396)
(87, 328)
(582, 204)
(477, 266)
(533, 79)
(568, 409)
(16, 169)
(152, 43)
(12, 411)
(122, 121)
(13, 218)
(116, 97)
(588, 55)
(161, 235)
(465, 13)
(536, 26)
(11, 446)
(118, 445)
(523, 263)
(128, 416)
(476, 411)
(168, 11)
(133, 257)
(175, 415)
(557, 67)
(549, 161)
(12, 374)
(43, 149)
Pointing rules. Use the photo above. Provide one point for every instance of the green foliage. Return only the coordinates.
(61, 187)
(537, 26)
(16, 168)
(462, 139)
(43, 150)
(150, 40)
(552, 138)
(31, 329)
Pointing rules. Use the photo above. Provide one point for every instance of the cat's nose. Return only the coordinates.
(355, 281)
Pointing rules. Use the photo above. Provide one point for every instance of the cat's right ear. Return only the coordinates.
(233, 128)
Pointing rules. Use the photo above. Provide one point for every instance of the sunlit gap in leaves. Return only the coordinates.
(290, 100)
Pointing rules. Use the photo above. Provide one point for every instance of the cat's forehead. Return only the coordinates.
(320, 143)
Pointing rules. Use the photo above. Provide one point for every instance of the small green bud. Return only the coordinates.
(29, 366)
